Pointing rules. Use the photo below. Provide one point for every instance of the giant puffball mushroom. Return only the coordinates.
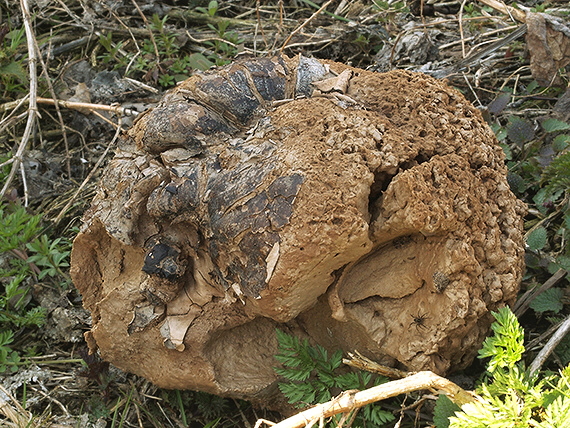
(364, 211)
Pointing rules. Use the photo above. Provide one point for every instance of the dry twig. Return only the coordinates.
(17, 414)
(57, 110)
(91, 173)
(551, 345)
(118, 110)
(359, 361)
(507, 10)
(32, 107)
(304, 24)
(523, 303)
(349, 401)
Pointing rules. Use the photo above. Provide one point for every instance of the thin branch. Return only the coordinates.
(57, 110)
(507, 10)
(350, 400)
(149, 31)
(260, 24)
(462, 38)
(115, 108)
(304, 24)
(359, 361)
(90, 175)
(550, 345)
(524, 302)
(32, 107)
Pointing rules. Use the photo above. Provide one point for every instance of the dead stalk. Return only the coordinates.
(304, 24)
(550, 346)
(32, 107)
(349, 400)
(91, 173)
(57, 110)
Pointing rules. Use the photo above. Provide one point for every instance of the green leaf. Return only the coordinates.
(444, 409)
(500, 102)
(519, 130)
(500, 133)
(376, 415)
(563, 350)
(14, 69)
(212, 7)
(553, 125)
(198, 61)
(560, 142)
(516, 182)
(549, 300)
(6, 337)
(563, 262)
(348, 381)
(536, 239)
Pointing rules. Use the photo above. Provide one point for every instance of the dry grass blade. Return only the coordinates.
(550, 346)
(523, 303)
(507, 10)
(304, 24)
(99, 161)
(16, 413)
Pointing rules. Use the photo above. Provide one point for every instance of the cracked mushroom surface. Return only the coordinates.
(372, 214)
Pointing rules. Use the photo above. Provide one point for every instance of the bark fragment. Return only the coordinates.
(345, 219)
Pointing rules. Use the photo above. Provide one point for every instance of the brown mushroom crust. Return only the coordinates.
(375, 217)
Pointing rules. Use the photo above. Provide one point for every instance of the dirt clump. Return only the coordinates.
(376, 217)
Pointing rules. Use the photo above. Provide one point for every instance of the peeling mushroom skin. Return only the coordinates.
(373, 216)
(163, 260)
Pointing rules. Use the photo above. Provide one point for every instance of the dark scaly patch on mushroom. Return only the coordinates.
(440, 281)
(163, 260)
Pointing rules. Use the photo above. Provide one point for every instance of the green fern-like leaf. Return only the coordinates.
(347, 381)
(375, 415)
(312, 375)
(556, 415)
(556, 176)
(298, 393)
(477, 414)
(506, 347)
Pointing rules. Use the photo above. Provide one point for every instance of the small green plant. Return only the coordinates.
(51, 257)
(8, 357)
(539, 8)
(509, 395)
(389, 10)
(312, 377)
(212, 8)
(17, 231)
(113, 51)
(161, 60)
(224, 52)
(13, 77)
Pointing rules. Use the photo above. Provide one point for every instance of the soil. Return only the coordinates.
(425, 158)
